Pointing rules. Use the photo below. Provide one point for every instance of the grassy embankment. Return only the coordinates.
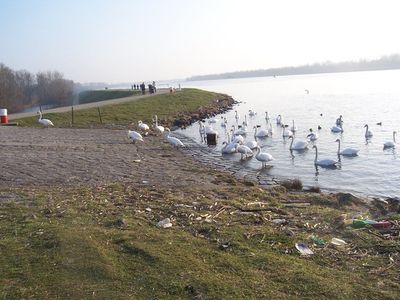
(102, 242)
(101, 95)
(166, 106)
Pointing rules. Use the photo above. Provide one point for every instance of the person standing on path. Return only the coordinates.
(143, 88)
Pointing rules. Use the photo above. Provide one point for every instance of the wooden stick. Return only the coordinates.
(72, 114)
(101, 121)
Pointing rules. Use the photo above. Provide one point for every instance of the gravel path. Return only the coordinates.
(39, 156)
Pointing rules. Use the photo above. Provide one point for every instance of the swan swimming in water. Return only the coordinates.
(293, 128)
(368, 133)
(325, 163)
(236, 115)
(339, 121)
(263, 157)
(45, 122)
(252, 113)
(346, 151)
(313, 136)
(279, 120)
(299, 145)
(228, 148)
(240, 131)
(260, 133)
(286, 132)
(390, 144)
(338, 128)
(251, 144)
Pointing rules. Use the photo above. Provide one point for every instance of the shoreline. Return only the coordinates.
(89, 200)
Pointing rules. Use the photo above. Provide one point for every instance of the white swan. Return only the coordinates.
(244, 150)
(260, 133)
(313, 136)
(286, 132)
(279, 120)
(270, 131)
(245, 120)
(45, 122)
(228, 148)
(337, 128)
(251, 144)
(263, 157)
(252, 113)
(346, 151)
(266, 116)
(390, 144)
(240, 131)
(236, 115)
(173, 140)
(143, 126)
(293, 128)
(135, 136)
(238, 139)
(157, 127)
(213, 120)
(224, 122)
(326, 163)
(299, 145)
(368, 133)
(339, 121)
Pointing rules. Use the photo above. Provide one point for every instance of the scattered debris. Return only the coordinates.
(338, 242)
(303, 249)
(279, 221)
(317, 241)
(166, 223)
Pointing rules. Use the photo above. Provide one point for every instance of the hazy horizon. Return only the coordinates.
(125, 41)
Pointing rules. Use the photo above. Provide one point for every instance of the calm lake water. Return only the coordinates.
(360, 97)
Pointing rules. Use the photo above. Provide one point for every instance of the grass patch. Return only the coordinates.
(165, 106)
(101, 95)
(58, 243)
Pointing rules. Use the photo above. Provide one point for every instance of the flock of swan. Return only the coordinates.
(133, 135)
(236, 137)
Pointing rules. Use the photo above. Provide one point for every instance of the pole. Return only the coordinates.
(72, 115)
(101, 121)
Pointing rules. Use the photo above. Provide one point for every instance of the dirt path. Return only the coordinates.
(88, 105)
(37, 156)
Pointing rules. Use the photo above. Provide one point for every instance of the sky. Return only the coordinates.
(136, 40)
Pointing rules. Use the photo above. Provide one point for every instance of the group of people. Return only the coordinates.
(142, 87)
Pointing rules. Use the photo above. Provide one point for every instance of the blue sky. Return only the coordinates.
(124, 41)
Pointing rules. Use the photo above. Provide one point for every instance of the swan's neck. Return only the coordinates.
(40, 115)
(338, 149)
(366, 130)
(255, 131)
(156, 121)
(291, 143)
(316, 154)
(394, 137)
(229, 137)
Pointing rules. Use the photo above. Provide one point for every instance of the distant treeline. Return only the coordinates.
(22, 89)
(384, 63)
